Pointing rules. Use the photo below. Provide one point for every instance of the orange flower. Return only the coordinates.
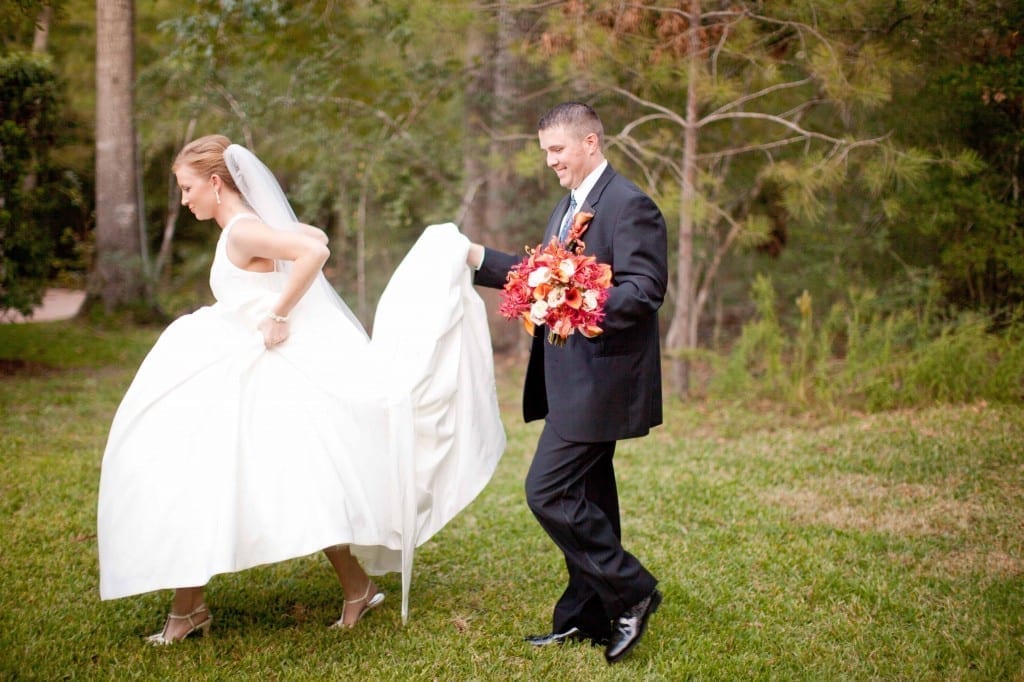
(580, 223)
(573, 298)
(562, 327)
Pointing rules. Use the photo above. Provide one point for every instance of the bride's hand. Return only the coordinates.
(274, 332)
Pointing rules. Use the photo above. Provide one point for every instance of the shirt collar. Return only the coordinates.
(581, 192)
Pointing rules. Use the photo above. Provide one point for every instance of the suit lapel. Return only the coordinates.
(555, 221)
(594, 197)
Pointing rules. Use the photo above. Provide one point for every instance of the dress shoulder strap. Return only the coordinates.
(238, 216)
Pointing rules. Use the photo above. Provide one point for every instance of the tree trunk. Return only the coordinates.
(474, 162)
(117, 277)
(682, 333)
(41, 38)
(163, 257)
(490, 98)
(40, 42)
(504, 335)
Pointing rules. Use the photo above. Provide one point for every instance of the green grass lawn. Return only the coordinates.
(885, 546)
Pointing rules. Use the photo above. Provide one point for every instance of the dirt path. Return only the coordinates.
(58, 304)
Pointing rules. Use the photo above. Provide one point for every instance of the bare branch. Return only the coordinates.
(763, 146)
(844, 151)
(797, 112)
(639, 162)
(668, 113)
(634, 150)
(628, 129)
(467, 199)
(716, 53)
(760, 93)
(737, 13)
(238, 111)
(772, 118)
(723, 248)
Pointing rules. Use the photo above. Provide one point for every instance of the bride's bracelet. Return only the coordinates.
(277, 318)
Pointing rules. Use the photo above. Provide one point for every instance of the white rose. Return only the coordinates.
(539, 276)
(538, 312)
(567, 268)
(556, 297)
(589, 299)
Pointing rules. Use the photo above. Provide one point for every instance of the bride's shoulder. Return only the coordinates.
(245, 225)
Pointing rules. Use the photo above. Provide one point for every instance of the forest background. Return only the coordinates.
(841, 180)
(842, 184)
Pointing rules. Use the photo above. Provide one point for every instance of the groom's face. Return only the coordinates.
(570, 157)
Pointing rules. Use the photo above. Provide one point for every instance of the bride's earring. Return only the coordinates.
(216, 195)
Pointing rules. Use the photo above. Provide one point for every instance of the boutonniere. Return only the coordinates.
(580, 223)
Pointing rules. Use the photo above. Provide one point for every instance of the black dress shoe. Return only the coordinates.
(573, 634)
(630, 626)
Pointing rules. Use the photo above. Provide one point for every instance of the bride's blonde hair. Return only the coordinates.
(205, 156)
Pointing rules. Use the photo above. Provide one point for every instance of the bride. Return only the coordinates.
(270, 426)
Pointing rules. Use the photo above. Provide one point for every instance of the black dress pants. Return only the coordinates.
(571, 490)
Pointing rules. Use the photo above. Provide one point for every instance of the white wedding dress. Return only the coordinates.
(224, 455)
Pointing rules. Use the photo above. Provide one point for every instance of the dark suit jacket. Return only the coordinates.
(609, 387)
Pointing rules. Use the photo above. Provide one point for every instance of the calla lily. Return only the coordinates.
(580, 223)
(574, 299)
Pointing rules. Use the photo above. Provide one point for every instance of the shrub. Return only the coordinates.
(862, 357)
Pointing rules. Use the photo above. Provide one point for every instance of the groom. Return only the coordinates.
(593, 392)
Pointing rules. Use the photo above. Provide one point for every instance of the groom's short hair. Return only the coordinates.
(578, 117)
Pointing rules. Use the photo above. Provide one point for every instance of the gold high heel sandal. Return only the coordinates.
(203, 627)
(374, 601)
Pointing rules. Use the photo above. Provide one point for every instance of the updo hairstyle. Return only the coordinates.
(205, 156)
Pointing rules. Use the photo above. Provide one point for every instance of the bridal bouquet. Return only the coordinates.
(559, 287)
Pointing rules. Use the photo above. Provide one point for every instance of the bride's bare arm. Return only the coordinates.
(251, 242)
(314, 232)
